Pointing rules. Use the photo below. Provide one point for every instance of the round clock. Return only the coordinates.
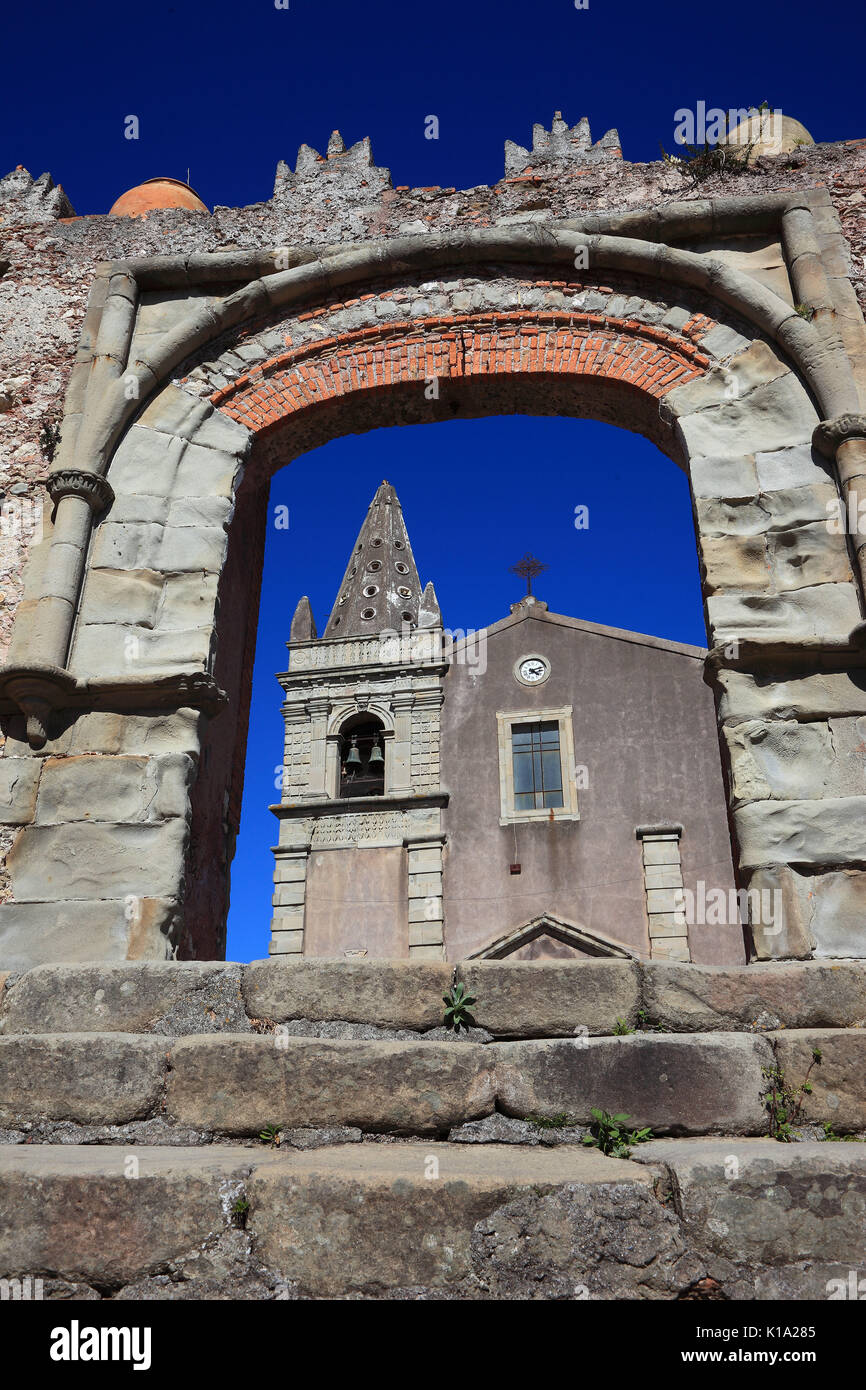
(532, 670)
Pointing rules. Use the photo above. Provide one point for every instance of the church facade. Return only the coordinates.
(547, 787)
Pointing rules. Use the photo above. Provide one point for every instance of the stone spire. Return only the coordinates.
(380, 589)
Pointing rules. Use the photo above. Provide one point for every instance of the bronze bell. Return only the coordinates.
(354, 758)
(376, 754)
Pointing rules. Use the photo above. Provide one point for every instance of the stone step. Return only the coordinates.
(740, 1219)
(237, 1084)
(521, 999)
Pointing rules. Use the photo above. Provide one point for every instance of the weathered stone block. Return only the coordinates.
(363, 1227)
(551, 998)
(677, 1085)
(394, 994)
(800, 466)
(175, 1207)
(831, 831)
(149, 462)
(807, 555)
(759, 1204)
(19, 779)
(735, 562)
(823, 610)
(718, 476)
(773, 417)
(115, 789)
(171, 998)
(745, 696)
(797, 994)
(787, 759)
(237, 1085)
(131, 651)
(127, 594)
(838, 1081)
(91, 1078)
(57, 862)
(769, 512)
(37, 933)
(163, 731)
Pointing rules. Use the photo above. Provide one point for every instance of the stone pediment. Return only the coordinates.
(549, 937)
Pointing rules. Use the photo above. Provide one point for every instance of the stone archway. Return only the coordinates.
(127, 644)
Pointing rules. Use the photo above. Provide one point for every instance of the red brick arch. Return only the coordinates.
(524, 342)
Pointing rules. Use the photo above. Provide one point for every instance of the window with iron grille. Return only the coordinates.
(537, 765)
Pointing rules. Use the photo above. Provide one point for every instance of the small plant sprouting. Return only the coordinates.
(270, 1135)
(458, 1004)
(806, 311)
(559, 1121)
(609, 1133)
(621, 1028)
(240, 1211)
(648, 1025)
(831, 1137)
(49, 438)
(785, 1102)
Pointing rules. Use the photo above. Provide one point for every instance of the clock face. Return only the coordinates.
(533, 670)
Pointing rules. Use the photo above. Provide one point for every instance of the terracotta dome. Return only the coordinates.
(154, 194)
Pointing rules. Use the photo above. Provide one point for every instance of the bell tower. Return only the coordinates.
(358, 865)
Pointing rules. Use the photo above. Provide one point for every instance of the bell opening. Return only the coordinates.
(362, 758)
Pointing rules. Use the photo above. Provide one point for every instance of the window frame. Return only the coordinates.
(505, 721)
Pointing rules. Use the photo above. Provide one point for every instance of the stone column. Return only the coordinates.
(843, 441)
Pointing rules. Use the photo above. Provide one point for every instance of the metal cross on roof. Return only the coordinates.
(528, 568)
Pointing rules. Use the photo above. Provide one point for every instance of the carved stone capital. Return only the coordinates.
(76, 482)
(827, 436)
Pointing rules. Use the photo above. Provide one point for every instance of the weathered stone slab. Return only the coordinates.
(174, 731)
(719, 476)
(19, 778)
(114, 789)
(388, 993)
(56, 862)
(735, 562)
(93, 1078)
(799, 994)
(675, 1084)
(745, 696)
(800, 466)
(822, 610)
(838, 1081)
(771, 511)
(37, 933)
(237, 1085)
(171, 998)
(806, 555)
(368, 1221)
(120, 652)
(831, 831)
(787, 760)
(773, 417)
(528, 999)
(149, 462)
(786, 1218)
(59, 1202)
(130, 593)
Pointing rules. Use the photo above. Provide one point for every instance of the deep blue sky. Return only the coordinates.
(228, 89)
